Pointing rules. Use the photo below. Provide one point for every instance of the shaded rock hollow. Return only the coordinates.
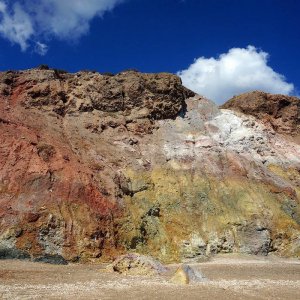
(93, 166)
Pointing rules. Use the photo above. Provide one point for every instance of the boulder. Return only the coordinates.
(186, 275)
(135, 264)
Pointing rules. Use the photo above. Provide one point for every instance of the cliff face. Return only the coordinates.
(95, 165)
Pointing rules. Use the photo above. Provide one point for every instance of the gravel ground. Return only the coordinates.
(229, 277)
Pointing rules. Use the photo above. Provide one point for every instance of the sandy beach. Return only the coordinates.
(229, 277)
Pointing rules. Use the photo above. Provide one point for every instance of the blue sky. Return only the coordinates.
(160, 36)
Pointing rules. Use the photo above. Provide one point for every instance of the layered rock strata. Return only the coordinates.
(93, 166)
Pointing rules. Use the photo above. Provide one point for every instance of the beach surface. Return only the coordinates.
(229, 277)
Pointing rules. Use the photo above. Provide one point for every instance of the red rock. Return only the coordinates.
(92, 166)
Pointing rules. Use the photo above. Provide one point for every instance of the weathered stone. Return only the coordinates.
(193, 249)
(93, 166)
(280, 111)
(13, 253)
(254, 239)
(135, 264)
(187, 275)
(51, 259)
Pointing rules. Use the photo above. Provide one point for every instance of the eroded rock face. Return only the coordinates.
(130, 93)
(280, 111)
(93, 166)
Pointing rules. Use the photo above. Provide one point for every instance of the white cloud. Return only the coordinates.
(27, 22)
(15, 24)
(67, 19)
(41, 48)
(238, 71)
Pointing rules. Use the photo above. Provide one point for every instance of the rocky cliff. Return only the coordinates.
(94, 165)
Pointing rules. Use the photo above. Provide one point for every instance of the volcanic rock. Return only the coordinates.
(280, 111)
(135, 264)
(186, 275)
(93, 166)
(51, 259)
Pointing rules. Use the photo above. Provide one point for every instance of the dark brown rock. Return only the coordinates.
(159, 95)
(280, 111)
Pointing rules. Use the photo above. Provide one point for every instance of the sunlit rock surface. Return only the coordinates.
(93, 166)
(187, 275)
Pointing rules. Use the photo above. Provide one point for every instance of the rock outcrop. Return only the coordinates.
(280, 111)
(93, 166)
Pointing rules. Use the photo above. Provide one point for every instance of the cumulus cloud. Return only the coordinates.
(32, 22)
(237, 71)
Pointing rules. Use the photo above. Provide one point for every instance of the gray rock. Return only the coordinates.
(13, 253)
(186, 275)
(254, 240)
(51, 259)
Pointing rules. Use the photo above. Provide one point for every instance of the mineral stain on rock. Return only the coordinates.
(93, 166)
